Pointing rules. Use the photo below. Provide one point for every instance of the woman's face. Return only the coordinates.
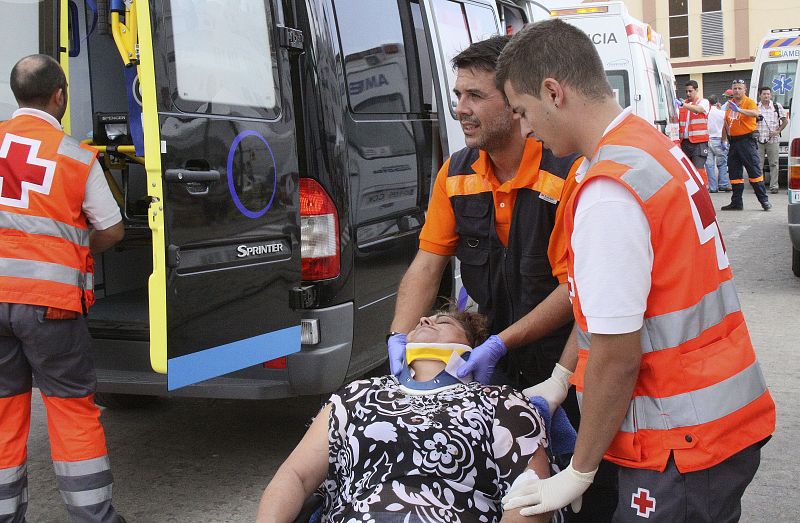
(439, 328)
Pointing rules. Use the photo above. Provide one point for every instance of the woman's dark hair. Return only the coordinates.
(476, 325)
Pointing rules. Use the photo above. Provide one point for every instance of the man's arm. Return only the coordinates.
(301, 473)
(609, 380)
(695, 108)
(553, 312)
(749, 112)
(418, 289)
(102, 240)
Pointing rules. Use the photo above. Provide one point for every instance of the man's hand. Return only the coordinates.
(483, 359)
(543, 495)
(397, 352)
(554, 389)
(773, 134)
(732, 106)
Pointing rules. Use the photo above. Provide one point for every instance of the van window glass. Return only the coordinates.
(223, 60)
(619, 83)
(781, 77)
(374, 55)
(513, 19)
(662, 99)
(424, 56)
(454, 36)
(27, 28)
(482, 24)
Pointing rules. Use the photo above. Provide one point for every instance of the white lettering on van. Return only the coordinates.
(372, 82)
(268, 248)
(603, 38)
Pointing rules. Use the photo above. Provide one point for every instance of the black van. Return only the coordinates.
(273, 161)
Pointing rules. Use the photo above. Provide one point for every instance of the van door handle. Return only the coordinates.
(187, 176)
(196, 182)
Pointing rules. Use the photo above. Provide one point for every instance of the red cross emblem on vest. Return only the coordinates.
(22, 171)
(643, 503)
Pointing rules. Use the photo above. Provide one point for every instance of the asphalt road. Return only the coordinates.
(189, 460)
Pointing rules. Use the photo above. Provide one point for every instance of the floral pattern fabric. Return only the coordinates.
(448, 457)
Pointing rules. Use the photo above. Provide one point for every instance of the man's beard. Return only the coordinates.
(494, 135)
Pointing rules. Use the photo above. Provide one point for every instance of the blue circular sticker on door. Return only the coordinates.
(234, 194)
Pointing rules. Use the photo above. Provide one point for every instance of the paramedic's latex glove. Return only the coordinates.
(543, 495)
(732, 106)
(678, 102)
(397, 352)
(554, 389)
(483, 359)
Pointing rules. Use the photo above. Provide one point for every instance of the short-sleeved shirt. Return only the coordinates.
(739, 124)
(771, 121)
(439, 234)
(447, 456)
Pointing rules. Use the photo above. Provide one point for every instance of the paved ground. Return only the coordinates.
(208, 461)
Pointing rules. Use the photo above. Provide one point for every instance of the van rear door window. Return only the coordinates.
(619, 84)
(371, 35)
(222, 60)
(780, 76)
(482, 24)
(27, 28)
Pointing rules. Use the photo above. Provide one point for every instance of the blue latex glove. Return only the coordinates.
(732, 106)
(678, 102)
(397, 352)
(483, 359)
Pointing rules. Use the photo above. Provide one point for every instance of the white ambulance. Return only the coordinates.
(633, 55)
(776, 66)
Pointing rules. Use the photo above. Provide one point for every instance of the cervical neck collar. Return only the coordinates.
(432, 351)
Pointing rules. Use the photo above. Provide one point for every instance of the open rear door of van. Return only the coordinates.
(221, 157)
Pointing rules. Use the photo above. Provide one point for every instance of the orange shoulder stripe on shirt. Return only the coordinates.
(467, 184)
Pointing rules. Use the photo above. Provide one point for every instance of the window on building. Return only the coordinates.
(711, 28)
(678, 28)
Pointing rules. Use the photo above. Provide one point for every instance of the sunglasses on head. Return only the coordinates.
(739, 82)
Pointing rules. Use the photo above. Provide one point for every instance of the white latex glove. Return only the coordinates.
(554, 389)
(544, 495)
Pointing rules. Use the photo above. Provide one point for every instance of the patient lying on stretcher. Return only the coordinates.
(419, 448)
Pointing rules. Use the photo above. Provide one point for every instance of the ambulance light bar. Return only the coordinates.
(579, 11)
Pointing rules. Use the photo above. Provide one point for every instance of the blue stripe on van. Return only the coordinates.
(216, 361)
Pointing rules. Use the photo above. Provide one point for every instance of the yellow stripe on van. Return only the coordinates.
(63, 59)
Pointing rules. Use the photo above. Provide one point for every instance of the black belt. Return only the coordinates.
(748, 136)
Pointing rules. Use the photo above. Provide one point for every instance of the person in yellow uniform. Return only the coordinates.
(740, 130)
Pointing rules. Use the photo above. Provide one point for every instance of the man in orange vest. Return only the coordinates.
(693, 127)
(670, 386)
(51, 190)
(740, 131)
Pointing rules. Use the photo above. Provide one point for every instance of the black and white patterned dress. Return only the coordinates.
(449, 456)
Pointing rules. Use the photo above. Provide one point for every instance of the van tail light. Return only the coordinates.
(794, 164)
(319, 232)
(277, 363)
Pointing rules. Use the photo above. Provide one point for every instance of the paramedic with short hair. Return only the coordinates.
(693, 127)
(52, 189)
(670, 386)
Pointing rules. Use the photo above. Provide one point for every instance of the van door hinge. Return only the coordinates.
(173, 256)
(290, 37)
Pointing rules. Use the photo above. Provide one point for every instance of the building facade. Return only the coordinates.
(714, 41)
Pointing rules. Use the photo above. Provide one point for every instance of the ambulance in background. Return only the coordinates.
(776, 67)
(633, 54)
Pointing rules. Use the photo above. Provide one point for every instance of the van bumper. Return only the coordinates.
(794, 221)
(123, 366)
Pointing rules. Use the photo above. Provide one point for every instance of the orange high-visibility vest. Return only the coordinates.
(700, 393)
(44, 236)
(697, 125)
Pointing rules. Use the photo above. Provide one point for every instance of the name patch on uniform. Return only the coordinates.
(547, 198)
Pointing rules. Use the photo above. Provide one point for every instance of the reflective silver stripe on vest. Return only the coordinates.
(698, 120)
(12, 474)
(85, 498)
(44, 226)
(71, 148)
(697, 133)
(39, 270)
(584, 338)
(646, 176)
(10, 505)
(674, 328)
(696, 407)
(83, 467)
